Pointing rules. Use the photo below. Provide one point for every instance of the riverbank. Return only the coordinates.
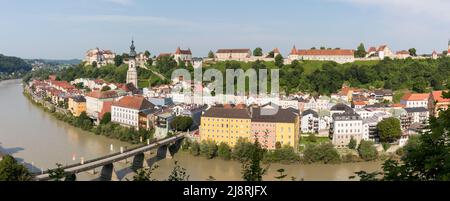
(108, 129)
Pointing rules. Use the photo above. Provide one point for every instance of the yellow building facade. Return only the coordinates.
(227, 130)
(228, 125)
(77, 105)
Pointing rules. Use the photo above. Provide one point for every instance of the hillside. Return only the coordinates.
(13, 64)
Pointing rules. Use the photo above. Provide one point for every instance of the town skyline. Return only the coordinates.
(71, 28)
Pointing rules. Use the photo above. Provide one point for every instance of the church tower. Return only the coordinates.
(132, 72)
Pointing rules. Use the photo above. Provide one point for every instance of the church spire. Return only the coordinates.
(132, 49)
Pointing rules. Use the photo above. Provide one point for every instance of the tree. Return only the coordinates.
(211, 54)
(94, 64)
(106, 118)
(178, 173)
(57, 174)
(412, 52)
(224, 151)
(242, 150)
(251, 167)
(325, 153)
(195, 148)
(106, 88)
(367, 150)
(181, 123)
(11, 170)
(208, 149)
(279, 61)
(352, 143)
(257, 52)
(322, 48)
(118, 60)
(145, 174)
(282, 175)
(389, 130)
(360, 51)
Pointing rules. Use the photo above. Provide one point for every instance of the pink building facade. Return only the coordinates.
(265, 133)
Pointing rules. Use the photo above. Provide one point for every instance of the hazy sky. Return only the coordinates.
(65, 29)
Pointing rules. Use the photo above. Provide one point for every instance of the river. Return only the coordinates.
(37, 139)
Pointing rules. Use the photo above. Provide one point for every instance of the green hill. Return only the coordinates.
(13, 64)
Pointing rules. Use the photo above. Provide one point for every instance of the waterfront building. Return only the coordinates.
(77, 105)
(162, 124)
(125, 111)
(95, 100)
(132, 71)
(437, 103)
(336, 55)
(225, 124)
(229, 123)
(345, 126)
(282, 127)
(415, 100)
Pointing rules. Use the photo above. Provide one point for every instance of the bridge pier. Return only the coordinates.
(139, 161)
(163, 152)
(175, 147)
(108, 173)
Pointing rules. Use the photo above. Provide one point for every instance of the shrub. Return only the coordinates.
(208, 149)
(283, 155)
(325, 153)
(224, 151)
(195, 148)
(367, 151)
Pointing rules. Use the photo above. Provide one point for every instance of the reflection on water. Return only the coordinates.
(34, 136)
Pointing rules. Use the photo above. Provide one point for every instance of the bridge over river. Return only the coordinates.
(165, 148)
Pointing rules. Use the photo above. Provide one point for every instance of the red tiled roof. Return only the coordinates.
(398, 105)
(134, 102)
(372, 49)
(180, 51)
(437, 96)
(102, 94)
(415, 97)
(359, 103)
(233, 51)
(325, 52)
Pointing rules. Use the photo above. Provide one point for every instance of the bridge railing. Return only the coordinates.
(153, 141)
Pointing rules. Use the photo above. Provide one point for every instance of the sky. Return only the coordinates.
(66, 29)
